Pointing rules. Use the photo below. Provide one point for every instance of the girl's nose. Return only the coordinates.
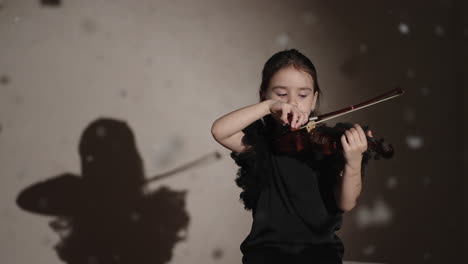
(292, 101)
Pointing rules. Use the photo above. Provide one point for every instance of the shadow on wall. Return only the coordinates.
(104, 216)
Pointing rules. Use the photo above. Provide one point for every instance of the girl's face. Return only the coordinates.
(294, 87)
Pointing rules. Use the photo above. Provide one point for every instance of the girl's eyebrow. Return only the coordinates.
(284, 87)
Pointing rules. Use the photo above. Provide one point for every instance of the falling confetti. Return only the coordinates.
(282, 40)
(4, 80)
(309, 18)
(123, 93)
(135, 217)
(168, 83)
(439, 31)
(403, 28)
(101, 131)
(182, 233)
(149, 61)
(43, 203)
(427, 255)
(379, 214)
(369, 250)
(89, 158)
(392, 182)
(424, 91)
(217, 253)
(426, 181)
(92, 260)
(363, 48)
(410, 73)
(409, 115)
(89, 26)
(414, 142)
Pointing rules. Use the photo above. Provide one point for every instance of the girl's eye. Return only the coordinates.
(281, 94)
(303, 95)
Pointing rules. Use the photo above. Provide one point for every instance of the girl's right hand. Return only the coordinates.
(288, 114)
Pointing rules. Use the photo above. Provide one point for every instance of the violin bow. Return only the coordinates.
(378, 99)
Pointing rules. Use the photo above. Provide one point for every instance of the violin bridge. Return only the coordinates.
(310, 126)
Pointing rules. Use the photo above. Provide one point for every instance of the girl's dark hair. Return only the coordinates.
(284, 59)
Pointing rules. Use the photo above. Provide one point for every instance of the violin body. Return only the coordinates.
(326, 140)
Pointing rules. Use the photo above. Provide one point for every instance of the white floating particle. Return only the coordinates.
(16, 19)
(409, 115)
(43, 203)
(89, 158)
(282, 40)
(427, 255)
(364, 216)
(426, 181)
(182, 233)
(309, 18)
(368, 250)
(410, 73)
(135, 217)
(392, 182)
(403, 28)
(101, 131)
(424, 91)
(363, 48)
(382, 213)
(414, 142)
(379, 214)
(92, 260)
(439, 31)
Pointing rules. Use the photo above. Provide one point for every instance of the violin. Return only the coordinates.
(317, 136)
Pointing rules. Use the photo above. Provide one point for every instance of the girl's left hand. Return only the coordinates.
(354, 143)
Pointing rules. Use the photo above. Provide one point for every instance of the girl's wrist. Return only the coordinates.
(268, 103)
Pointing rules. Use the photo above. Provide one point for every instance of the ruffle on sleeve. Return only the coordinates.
(253, 164)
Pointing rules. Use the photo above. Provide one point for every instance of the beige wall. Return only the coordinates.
(170, 68)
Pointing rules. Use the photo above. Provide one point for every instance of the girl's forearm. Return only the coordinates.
(349, 186)
(237, 120)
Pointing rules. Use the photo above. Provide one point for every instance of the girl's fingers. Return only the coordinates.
(300, 118)
(350, 137)
(357, 137)
(297, 117)
(362, 135)
(344, 143)
(284, 114)
(294, 118)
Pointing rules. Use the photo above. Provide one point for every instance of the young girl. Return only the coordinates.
(297, 200)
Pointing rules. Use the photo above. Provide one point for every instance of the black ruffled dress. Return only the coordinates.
(294, 212)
